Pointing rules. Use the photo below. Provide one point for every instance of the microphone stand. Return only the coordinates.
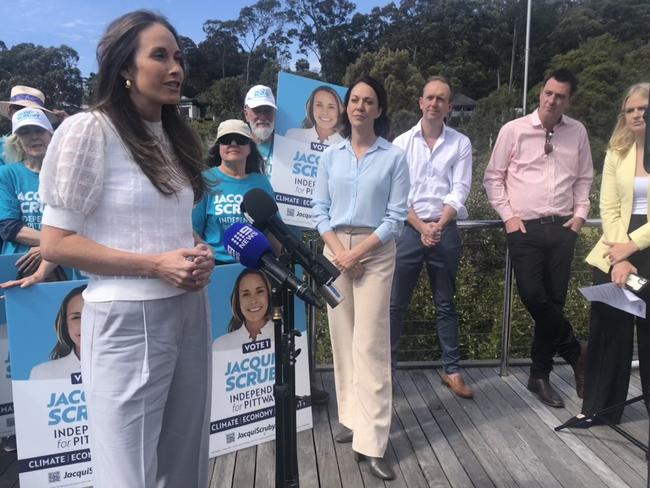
(646, 166)
(284, 390)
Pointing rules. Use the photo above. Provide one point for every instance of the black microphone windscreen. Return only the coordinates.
(259, 206)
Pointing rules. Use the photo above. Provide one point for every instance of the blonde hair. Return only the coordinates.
(622, 138)
(14, 151)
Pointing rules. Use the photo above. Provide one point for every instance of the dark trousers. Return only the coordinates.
(611, 338)
(541, 259)
(441, 262)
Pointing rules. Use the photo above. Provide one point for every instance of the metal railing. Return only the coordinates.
(508, 282)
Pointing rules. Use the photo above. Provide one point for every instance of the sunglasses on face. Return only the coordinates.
(30, 130)
(548, 145)
(233, 139)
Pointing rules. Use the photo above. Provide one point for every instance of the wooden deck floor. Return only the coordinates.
(502, 438)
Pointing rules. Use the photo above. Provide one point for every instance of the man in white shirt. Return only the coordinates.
(440, 169)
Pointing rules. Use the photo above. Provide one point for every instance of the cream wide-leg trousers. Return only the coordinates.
(146, 373)
(360, 334)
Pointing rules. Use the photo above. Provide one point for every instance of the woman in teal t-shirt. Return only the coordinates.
(238, 168)
(20, 205)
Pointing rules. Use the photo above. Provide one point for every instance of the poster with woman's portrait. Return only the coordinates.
(308, 121)
(7, 272)
(243, 361)
(51, 416)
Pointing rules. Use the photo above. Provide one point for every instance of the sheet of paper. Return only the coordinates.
(617, 297)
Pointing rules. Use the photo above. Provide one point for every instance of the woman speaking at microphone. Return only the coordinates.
(359, 209)
(119, 183)
(623, 249)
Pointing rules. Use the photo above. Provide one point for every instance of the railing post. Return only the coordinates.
(506, 322)
(311, 319)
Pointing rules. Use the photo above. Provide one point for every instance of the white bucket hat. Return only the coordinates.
(30, 116)
(26, 96)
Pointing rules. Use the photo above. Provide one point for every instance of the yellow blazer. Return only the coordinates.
(616, 196)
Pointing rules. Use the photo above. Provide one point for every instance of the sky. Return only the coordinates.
(80, 23)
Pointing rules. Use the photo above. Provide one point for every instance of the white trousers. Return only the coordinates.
(360, 334)
(146, 373)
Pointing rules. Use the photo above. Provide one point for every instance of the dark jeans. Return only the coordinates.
(541, 259)
(611, 339)
(441, 262)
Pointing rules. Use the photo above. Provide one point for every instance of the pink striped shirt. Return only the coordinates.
(522, 181)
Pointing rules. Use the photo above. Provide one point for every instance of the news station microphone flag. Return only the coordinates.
(252, 249)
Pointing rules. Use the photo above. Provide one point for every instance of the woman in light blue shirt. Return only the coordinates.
(359, 209)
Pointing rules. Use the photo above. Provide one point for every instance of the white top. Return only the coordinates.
(235, 339)
(640, 201)
(91, 185)
(56, 368)
(310, 135)
(439, 176)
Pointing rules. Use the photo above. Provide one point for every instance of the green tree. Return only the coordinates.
(314, 20)
(221, 50)
(224, 98)
(53, 70)
(261, 22)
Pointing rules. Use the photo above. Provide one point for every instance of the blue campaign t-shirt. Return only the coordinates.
(219, 208)
(2, 150)
(19, 200)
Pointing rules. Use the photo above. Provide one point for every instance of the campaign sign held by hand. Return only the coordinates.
(51, 415)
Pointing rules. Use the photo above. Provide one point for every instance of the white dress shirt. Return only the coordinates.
(439, 176)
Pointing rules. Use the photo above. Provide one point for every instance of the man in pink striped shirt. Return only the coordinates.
(538, 180)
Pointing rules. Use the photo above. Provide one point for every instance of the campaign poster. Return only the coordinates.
(308, 121)
(243, 361)
(7, 272)
(52, 433)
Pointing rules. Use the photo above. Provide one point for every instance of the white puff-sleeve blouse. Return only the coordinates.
(91, 185)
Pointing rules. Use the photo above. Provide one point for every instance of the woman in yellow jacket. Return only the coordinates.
(624, 248)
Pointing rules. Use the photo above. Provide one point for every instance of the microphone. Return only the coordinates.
(261, 210)
(252, 249)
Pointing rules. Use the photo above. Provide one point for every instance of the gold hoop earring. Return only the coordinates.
(127, 84)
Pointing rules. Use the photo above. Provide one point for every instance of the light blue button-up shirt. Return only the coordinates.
(371, 192)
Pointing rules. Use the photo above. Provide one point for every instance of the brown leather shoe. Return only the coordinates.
(456, 383)
(542, 388)
(579, 370)
(378, 466)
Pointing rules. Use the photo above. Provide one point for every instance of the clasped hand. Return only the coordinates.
(619, 252)
(188, 269)
(430, 233)
(348, 262)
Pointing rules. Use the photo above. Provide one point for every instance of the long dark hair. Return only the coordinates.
(64, 344)
(238, 319)
(254, 161)
(382, 124)
(309, 120)
(115, 53)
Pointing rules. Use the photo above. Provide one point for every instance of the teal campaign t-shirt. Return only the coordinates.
(19, 200)
(219, 208)
(2, 150)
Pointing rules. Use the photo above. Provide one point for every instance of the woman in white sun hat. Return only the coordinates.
(21, 97)
(20, 206)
